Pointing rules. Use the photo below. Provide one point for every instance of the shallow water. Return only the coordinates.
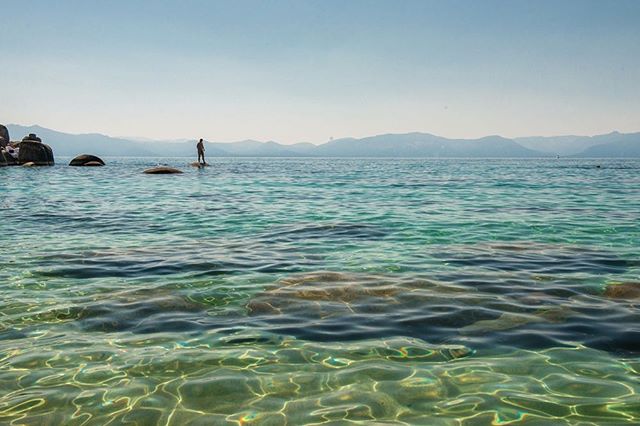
(269, 291)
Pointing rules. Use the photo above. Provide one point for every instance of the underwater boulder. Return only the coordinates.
(162, 170)
(534, 257)
(139, 311)
(86, 160)
(627, 290)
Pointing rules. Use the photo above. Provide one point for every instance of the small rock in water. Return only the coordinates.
(29, 164)
(199, 165)
(628, 290)
(86, 160)
(162, 170)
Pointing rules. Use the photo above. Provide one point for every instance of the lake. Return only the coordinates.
(308, 291)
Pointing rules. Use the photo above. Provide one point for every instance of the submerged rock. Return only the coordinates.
(162, 170)
(138, 311)
(534, 257)
(479, 310)
(36, 152)
(627, 290)
(86, 160)
(328, 288)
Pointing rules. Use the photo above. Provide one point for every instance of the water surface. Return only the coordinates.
(309, 291)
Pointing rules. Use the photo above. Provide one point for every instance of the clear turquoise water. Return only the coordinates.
(268, 291)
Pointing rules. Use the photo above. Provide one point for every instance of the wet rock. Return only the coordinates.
(36, 152)
(628, 290)
(31, 137)
(86, 160)
(29, 164)
(9, 154)
(4, 137)
(199, 165)
(7, 160)
(162, 170)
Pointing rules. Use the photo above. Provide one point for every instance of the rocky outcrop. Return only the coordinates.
(33, 151)
(6, 159)
(31, 137)
(4, 137)
(86, 160)
(162, 170)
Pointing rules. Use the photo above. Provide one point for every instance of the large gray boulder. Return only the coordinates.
(35, 152)
(4, 137)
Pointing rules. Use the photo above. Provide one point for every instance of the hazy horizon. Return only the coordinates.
(267, 139)
(306, 71)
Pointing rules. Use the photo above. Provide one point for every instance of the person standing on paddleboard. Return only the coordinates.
(200, 147)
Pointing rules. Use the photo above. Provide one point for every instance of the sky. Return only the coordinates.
(307, 71)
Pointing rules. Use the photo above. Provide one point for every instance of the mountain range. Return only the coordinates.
(411, 145)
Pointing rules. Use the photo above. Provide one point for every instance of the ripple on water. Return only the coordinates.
(321, 291)
(258, 379)
(536, 258)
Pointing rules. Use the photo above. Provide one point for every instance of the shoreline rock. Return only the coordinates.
(4, 137)
(33, 151)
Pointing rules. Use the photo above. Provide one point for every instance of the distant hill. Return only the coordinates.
(624, 145)
(65, 144)
(557, 145)
(620, 145)
(409, 145)
(424, 145)
(613, 144)
(70, 145)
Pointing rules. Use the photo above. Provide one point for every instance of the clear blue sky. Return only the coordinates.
(307, 70)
